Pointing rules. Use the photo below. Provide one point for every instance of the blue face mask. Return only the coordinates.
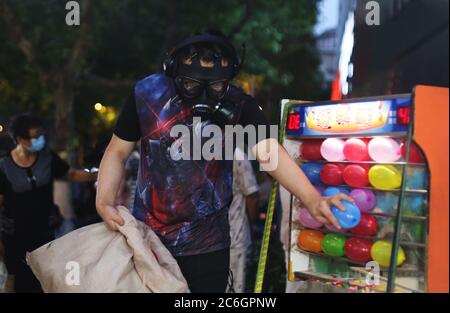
(37, 144)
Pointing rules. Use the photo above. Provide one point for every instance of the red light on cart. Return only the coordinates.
(403, 115)
(293, 121)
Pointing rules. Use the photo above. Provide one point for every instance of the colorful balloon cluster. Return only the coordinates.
(353, 218)
(356, 219)
(357, 175)
(356, 249)
(378, 149)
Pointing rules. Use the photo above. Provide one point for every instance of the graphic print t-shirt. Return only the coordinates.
(184, 201)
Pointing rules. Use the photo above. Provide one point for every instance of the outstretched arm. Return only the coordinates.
(80, 176)
(277, 162)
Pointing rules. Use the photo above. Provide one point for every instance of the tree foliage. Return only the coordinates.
(60, 71)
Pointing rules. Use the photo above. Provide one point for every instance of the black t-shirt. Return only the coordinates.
(28, 194)
(127, 127)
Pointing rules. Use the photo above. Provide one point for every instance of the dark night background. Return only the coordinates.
(77, 77)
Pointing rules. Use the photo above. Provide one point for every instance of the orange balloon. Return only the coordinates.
(310, 240)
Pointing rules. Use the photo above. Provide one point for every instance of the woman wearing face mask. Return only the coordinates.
(26, 192)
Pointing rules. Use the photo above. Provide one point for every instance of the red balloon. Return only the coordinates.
(355, 175)
(415, 154)
(367, 226)
(355, 150)
(366, 167)
(310, 150)
(331, 174)
(358, 249)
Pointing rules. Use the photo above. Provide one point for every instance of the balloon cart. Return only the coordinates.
(390, 154)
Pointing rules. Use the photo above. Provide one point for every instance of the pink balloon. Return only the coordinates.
(355, 150)
(384, 150)
(332, 149)
(307, 220)
(365, 200)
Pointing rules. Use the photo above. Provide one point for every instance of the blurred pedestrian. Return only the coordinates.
(243, 213)
(26, 191)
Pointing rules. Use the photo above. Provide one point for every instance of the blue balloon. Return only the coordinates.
(344, 191)
(416, 178)
(312, 171)
(349, 218)
(414, 204)
(331, 191)
(387, 202)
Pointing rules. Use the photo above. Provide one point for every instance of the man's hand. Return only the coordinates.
(291, 177)
(110, 216)
(322, 211)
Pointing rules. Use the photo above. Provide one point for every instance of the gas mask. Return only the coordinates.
(205, 89)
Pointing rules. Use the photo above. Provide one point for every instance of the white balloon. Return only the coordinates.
(384, 150)
(332, 149)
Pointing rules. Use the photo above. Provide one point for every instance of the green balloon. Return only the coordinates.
(333, 244)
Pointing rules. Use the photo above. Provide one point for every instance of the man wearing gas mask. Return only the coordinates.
(186, 201)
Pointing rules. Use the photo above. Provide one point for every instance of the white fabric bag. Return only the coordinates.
(96, 259)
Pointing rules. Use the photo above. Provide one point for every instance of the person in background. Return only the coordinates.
(243, 213)
(265, 188)
(26, 192)
(3, 271)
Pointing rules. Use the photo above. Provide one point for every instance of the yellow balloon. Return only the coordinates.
(381, 253)
(385, 177)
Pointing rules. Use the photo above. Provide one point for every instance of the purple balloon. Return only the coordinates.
(335, 230)
(307, 220)
(364, 199)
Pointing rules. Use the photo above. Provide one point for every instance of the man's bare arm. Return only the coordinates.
(275, 159)
(109, 178)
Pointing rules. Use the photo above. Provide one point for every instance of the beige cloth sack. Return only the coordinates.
(96, 259)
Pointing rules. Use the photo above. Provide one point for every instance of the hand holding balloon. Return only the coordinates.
(322, 211)
(348, 218)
